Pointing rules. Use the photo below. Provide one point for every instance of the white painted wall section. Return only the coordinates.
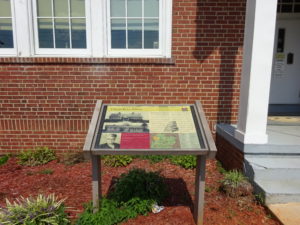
(256, 71)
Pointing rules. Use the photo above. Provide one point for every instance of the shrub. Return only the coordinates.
(185, 161)
(117, 160)
(34, 211)
(38, 156)
(235, 184)
(139, 184)
(133, 194)
(3, 159)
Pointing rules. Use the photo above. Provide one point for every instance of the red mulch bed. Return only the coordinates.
(74, 184)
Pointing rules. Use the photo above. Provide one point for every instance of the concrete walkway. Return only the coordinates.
(288, 214)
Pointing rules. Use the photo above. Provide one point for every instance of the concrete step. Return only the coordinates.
(278, 177)
(274, 167)
(280, 191)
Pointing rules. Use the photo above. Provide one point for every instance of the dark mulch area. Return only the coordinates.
(74, 184)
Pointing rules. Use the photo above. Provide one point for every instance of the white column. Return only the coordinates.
(256, 71)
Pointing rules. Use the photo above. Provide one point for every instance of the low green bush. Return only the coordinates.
(41, 210)
(3, 159)
(141, 184)
(112, 212)
(117, 160)
(185, 161)
(133, 194)
(38, 156)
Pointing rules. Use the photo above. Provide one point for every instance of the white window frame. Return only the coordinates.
(11, 51)
(25, 34)
(165, 27)
(62, 51)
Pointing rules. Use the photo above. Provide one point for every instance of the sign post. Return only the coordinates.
(150, 130)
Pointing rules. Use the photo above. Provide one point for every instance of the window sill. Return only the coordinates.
(72, 60)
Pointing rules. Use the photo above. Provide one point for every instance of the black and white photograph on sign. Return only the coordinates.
(125, 127)
(133, 117)
(110, 140)
(126, 122)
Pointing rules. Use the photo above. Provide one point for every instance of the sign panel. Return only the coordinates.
(149, 127)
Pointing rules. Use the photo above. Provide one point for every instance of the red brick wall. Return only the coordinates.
(230, 157)
(49, 102)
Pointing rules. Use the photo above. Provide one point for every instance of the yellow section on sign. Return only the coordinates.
(148, 108)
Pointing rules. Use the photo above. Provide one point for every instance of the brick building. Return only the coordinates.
(58, 57)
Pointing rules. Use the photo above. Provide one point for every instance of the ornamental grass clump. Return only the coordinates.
(235, 184)
(42, 210)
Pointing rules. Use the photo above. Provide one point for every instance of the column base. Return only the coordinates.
(251, 138)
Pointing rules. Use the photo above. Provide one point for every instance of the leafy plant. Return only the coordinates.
(117, 160)
(139, 184)
(185, 161)
(3, 159)
(153, 158)
(41, 210)
(38, 156)
(220, 168)
(112, 212)
(260, 198)
(133, 194)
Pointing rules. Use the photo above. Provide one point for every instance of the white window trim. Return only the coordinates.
(61, 51)
(25, 35)
(11, 51)
(165, 33)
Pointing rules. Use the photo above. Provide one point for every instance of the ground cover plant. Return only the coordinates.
(73, 183)
(37, 156)
(42, 210)
(117, 160)
(131, 195)
(3, 159)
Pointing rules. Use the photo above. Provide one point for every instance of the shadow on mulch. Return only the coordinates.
(178, 193)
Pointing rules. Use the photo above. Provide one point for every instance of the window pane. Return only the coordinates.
(45, 33)
(78, 8)
(134, 8)
(151, 31)
(61, 8)
(62, 34)
(118, 33)
(44, 8)
(78, 33)
(151, 8)
(6, 34)
(5, 10)
(134, 33)
(117, 8)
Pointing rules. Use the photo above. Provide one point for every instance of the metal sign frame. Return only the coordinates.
(209, 151)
